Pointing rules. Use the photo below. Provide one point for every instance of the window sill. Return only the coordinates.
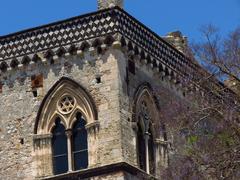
(98, 171)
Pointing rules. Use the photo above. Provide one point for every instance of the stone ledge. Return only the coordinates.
(161, 142)
(103, 170)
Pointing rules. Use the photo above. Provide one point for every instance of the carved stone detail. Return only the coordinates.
(66, 104)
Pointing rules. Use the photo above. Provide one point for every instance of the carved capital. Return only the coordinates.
(161, 142)
(93, 127)
(68, 133)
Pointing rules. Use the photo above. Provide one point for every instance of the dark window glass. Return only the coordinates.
(141, 150)
(59, 148)
(79, 144)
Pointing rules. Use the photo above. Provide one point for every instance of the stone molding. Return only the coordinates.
(43, 140)
(103, 170)
(41, 136)
(161, 142)
(93, 127)
(48, 110)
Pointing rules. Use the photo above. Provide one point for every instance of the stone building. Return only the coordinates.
(82, 98)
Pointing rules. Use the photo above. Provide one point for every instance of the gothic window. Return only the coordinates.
(145, 143)
(78, 150)
(59, 148)
(151, 136)
(61, 138)
(79, 144)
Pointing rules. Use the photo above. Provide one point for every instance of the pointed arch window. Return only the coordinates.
(79, 143)
(69, 147)
(151, 136)
(61, 137)
(59, 148)
(145, 143)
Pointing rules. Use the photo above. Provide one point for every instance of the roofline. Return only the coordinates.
(85, 15)
(52, 24)
(191, 64)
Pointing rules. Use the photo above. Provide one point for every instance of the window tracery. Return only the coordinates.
(151, 155)
(66, 104)
(65, 116)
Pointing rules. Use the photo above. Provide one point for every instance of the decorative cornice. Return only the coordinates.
(79, 33)
(42, 136)
(57, 35)
(95, 32)
(93, 127)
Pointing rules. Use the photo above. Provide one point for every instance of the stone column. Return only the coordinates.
(69, 148)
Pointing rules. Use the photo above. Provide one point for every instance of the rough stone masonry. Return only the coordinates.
(118, 74)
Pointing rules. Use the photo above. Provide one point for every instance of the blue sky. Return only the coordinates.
(161, 16)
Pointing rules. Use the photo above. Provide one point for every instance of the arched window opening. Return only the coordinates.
(145, 142)
(146, 114)
(61, 144)
(79, 143)
(59, 148)
(141, 149)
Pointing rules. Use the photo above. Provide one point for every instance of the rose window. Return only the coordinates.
(66, 104)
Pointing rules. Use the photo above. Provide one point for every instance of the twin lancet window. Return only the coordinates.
(145, 144)
(61, 138)
(69, 147)
(65, 118)
(151, 140)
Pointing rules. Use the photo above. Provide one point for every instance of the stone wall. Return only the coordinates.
(112, 79)
(20, 102)
(165, 92)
